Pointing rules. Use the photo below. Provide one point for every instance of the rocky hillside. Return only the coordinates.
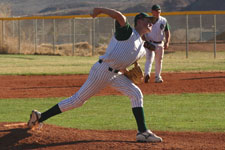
(76, 7)
(204, 5)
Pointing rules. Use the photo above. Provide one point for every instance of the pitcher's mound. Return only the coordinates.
(17, 136)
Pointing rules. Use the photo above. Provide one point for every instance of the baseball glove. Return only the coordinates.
(149, 45)
(135, 74)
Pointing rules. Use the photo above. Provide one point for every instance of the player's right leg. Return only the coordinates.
(150, 55)
(98, 78)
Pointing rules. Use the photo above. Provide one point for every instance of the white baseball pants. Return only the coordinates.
(100, 77)
(158, 56)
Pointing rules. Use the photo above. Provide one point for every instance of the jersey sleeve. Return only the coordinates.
(122, 33)
(167, 27)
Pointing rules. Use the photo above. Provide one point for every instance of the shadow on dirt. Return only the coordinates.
(14, 136)
(214, 77)
(10, 140)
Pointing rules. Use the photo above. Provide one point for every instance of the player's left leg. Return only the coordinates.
(159, 53)
(125, 86)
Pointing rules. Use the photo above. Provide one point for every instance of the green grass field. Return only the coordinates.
(42, 65)
(181, 112)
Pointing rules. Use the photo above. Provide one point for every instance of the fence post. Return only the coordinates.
(2, 42)
(187, 36)
(200, 17)
(70, 24)
(93, 36)
(73, 37)
(214, 36)
(43, 31)
(53, 36)
(13, 28)
(113, 29)
(35, 36)
(19, 38)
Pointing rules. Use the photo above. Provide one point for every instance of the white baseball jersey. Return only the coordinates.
(121, 54)
(157, 33)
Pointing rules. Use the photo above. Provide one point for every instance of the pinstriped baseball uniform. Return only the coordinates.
(123, 50)
(157, 37)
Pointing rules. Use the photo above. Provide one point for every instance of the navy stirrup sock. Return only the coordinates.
(49, 113)
(140, 118)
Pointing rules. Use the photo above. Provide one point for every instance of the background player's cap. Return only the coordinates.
(144, 15)
(156, 7)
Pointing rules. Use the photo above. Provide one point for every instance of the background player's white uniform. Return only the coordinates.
(156, 36)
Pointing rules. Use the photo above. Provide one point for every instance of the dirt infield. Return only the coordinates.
(67, 85)
(16, 135)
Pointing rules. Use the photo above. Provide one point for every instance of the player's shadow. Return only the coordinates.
(74, 143)
(47, 87)
(12, 137)
(12, 140)
(214, 77)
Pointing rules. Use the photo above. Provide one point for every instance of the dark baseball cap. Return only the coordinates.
(156, 7)
(144, 15)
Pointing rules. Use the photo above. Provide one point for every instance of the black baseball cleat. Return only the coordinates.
(34, 117)
(147, 78)
(158, 79)
(148, 136)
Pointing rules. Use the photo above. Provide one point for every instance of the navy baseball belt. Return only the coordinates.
(156, 42)
(110, 69)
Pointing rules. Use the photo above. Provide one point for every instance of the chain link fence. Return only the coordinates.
(82, 35)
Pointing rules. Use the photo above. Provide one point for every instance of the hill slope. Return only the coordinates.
(68, 7)
(76, 7)
(205, 5)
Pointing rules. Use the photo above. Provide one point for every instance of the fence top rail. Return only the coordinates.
(103, 15)
(194, 13)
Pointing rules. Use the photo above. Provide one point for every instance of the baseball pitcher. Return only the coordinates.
(124, 49)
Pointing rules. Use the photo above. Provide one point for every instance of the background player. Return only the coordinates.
(125, 48)
(160, 30)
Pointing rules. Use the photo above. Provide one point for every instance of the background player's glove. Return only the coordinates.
(149, 45)
(135, 74)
